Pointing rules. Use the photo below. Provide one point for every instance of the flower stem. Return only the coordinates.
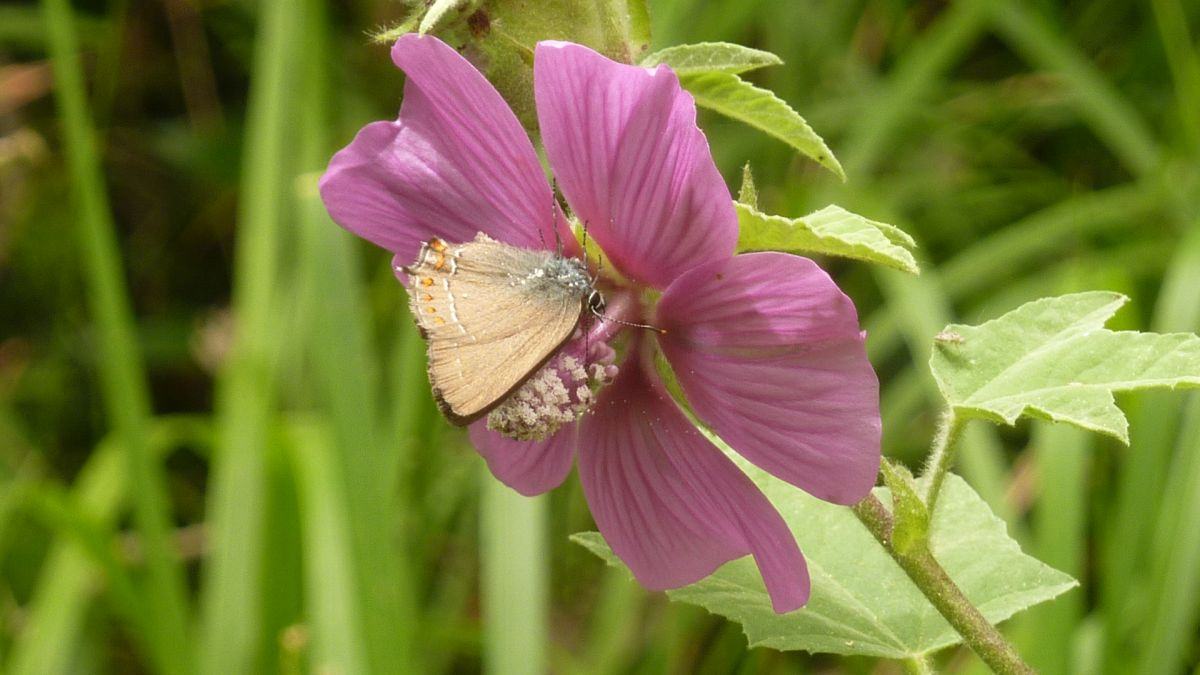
(942, 457)
(941, 591)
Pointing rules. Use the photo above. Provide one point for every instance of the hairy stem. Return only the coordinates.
(941, 591)
(942, 457)
(918, 665)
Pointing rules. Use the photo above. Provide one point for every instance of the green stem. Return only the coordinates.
(942, 457)
(941, 591)
(918, 665)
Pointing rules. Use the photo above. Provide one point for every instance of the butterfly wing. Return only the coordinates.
(487, 332)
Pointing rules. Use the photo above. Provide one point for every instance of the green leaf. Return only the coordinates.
(733, 97)
(712, 57)
(862, 602)
(829, 231)
(1054, 359)
(748, 194)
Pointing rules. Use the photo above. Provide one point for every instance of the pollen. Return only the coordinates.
(440, 262)
(427, 282)
(558, 394)
(437, 245)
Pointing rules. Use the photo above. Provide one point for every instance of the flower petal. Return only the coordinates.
(529, 467)
(628, 156)
(671, 504)
(769, 353)
(455, 162)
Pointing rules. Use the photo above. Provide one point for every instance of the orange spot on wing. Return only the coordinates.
(426, 297)
(427, 282)
(437, 245)
(439, 321)
(431, 310)
(441, 261)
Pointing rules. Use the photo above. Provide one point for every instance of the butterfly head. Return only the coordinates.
(595, 302)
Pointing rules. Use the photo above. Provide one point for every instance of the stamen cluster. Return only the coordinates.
(558, 394)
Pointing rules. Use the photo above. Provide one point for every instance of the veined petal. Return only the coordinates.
(455, 162)
(769, 353)
(529, 467)
(629, 158)
(671, 504)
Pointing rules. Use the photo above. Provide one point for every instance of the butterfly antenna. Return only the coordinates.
(599, 264)
(656, 329)
(554, 212)
(600, 258)
(553, 222)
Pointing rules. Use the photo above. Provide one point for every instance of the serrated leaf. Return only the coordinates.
(712, 57)
(736, 98)
(862, 602)
(829, 231)
(748, 194)
(1053, 359)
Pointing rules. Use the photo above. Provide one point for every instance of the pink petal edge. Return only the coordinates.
(529, 467)
(455, 162)
(769, 353)
(672, 505)
(628, 156)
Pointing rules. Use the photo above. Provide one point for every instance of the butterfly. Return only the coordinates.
(493, 314)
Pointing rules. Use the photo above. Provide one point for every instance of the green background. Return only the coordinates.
(217, 448)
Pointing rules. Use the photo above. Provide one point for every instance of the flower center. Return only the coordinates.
(559, 393)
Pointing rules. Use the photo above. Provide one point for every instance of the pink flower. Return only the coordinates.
(765, 347)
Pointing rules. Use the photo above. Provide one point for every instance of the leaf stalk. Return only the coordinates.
(942, 457)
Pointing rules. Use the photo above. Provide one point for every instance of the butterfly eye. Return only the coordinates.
(596, 302)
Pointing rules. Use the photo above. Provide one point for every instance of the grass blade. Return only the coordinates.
(1062, 456)
(1043, 234)
(514, 579)
(121, 373)
(944, 42)
(1175, 593)
(55, 616)
(341, 351)
(1142, 475)
(56, 612)
(330, 586)
(232, 600)
(1115, 121)
(1184, 62)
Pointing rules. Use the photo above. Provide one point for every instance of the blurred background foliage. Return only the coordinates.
(217, 448)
